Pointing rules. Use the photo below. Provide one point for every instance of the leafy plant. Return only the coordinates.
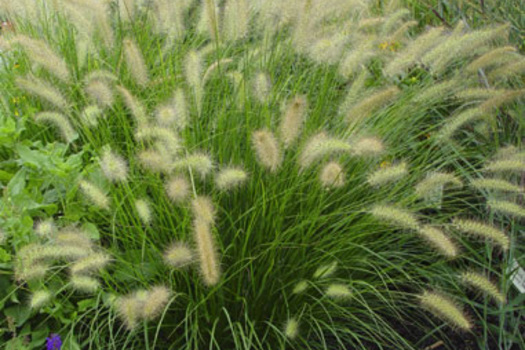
(262, 175)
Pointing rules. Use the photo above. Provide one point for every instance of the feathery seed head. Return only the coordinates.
(437, 92)
(100, 92)
(95, 195)
(178, 189)
(506, 208)
(27, 273)
(387, 174)
(199, 163)
(236, 19)
(495, 57)
(370, 104)
(129, 308)
(444, 309)
(135, 62)
(483, 284)
(73, 236)
(262, 87)
(412, 53)
(59, 121)
(84, 284)
(328, 49)
(505, 165)
(143, 209)
(181, 109)
(203, 209)
(300, 287)
(193, 70)
(439, 240)
(113, 166)
(43, 90)
(293, 120)
(90, 115)
(291, 329)
(134, 106)
(511, 69)
(45, 228)
(454, 123)
(396, 216)
(319, 146)
(210, 18)
(354, 93)
(169, 139)
(461, 45)
(101, 75)
(91, 263)
(479, 94)
(400, 34)
(42, 54)
(392, 21)
(178, 255)
(166, 115)
(214, 67)
(496, 185)
(354, 60)
(156, 301)
(206, 252)
(154, 161)
(325, 271)
(500, 99)
(367, 146)
(66, 252)
(339, 292)
(267, 149)
(332, 175)
(507, 152)
(39, 299)
(483, 230)
(229, 178)
(435, 181)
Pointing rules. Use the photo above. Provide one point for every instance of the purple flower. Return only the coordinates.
(54, 342)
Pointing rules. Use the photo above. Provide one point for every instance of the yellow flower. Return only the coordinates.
(395, 46)
(384, 164)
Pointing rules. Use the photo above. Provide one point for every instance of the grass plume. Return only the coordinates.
(267, 149)
(399, 217)
(445, 309)
(61, 122)
(292, 121)
(438, 240)
(482, 230)
(506, 208)
(388, 174)
(483, 284)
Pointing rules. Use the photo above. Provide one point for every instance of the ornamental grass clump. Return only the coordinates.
(257, 174)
